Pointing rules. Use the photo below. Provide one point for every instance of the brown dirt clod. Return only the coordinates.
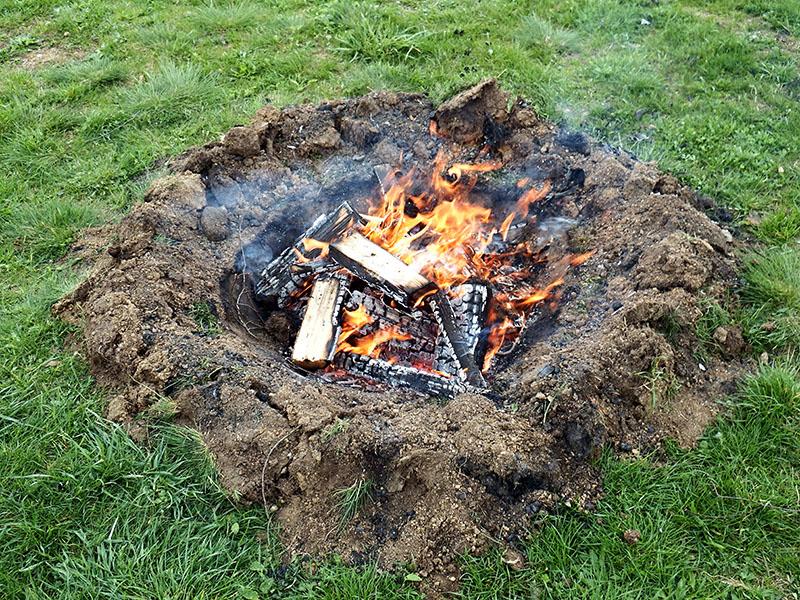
(631, 536)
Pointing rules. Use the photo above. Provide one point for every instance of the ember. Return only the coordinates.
(433, 281)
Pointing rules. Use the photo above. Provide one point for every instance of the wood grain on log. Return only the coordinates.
(371, 263)
(315, 343)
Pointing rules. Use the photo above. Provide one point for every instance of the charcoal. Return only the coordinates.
(416, 323)
(471, 308)
(281, 279)
(446, 319)
(399, 375)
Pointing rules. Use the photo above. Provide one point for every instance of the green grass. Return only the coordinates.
(205, 317)
(349, 500)
(708, 89)
(660, 383)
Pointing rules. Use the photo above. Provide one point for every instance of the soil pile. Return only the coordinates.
(167, 311)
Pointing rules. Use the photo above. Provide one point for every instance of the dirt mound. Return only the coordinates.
(167, 312)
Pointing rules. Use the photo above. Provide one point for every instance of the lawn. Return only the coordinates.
(94, 94)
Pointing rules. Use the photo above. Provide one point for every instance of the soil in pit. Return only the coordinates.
(167, 311)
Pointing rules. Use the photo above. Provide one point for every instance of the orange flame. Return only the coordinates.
(497, 337)
(438, 227)
(442, 232)
(531, 196)
(579, 259)
(354, 320)
(369, 345)
(310, 244)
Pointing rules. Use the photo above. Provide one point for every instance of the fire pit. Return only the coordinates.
(425, 289)
(407, 329)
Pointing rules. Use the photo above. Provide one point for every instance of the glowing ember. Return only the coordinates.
(368, 345)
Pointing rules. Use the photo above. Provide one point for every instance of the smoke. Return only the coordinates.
(271, 209)
(554, 229)
(253, 257)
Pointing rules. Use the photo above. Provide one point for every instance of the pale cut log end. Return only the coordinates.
(316, 341)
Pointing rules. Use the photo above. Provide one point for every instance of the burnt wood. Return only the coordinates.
(445, 317)
(444, 356)
(385, 175)
(399, 375)
(420, 325)
(378, 267)
(471, 308)
(283, 271)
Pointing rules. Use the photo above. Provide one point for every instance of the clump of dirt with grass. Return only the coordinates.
(621, 363)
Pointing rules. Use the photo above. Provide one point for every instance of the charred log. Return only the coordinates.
(283, 272)
(445, 317)
(445, 359)
(471, 308)
(399, 375)
(418, 324)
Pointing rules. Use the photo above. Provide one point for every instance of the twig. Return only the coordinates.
(242, 320)
(264, 468)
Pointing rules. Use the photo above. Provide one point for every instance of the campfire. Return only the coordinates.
(426, 288)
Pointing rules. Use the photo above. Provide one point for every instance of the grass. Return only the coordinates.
(205, 317)
(709, 90)
(660, 383)
(334, 429)
(772, 293)
(349, 500)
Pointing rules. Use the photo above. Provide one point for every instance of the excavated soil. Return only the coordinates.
(167, 311)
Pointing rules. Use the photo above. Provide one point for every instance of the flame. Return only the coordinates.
(354, 320)
(441, 229)
(438, 228)
(447, 230)
(310, 244)
(531, 196)
(525, 297)
(578, 259)
(496, 339)
(507, 225)
(369, 345)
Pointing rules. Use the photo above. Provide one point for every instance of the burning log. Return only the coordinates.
(445, 359)
(417, 323)
(284, 274)
(399, 376)
(316, 341)
(445, 317)
(374, 265)
(471, 308)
